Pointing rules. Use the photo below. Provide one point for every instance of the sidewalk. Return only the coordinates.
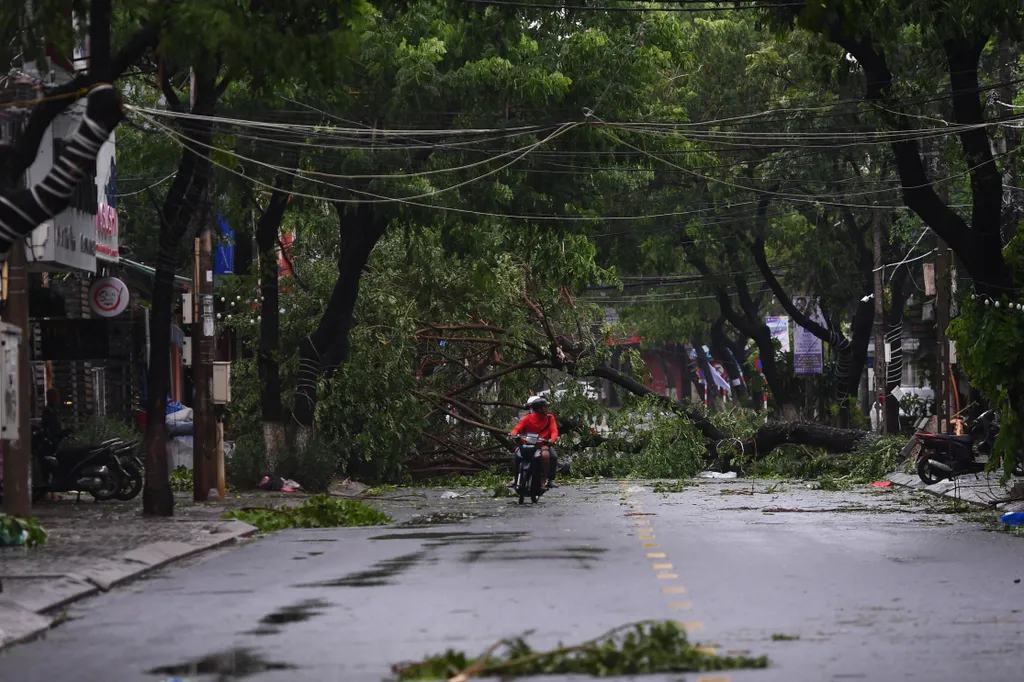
(92, 547)
(983, 489)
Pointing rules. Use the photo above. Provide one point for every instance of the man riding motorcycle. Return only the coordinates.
(542, 423)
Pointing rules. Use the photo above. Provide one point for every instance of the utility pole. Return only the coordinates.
(204, 441)
(18, 453)
(879, 296)
(942, 382)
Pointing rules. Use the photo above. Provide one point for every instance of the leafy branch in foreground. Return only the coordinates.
(319, 511)
(638, 648)
(16, 531)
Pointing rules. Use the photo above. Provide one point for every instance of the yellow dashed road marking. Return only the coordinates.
(678, 589)
(668, 576)
(655, 555)
(646, 537)
(662, 567)
(650, 544)
(692, 626)
(714, 679)
(682, 605)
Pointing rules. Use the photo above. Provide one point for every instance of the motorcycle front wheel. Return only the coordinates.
(131, 483)
(927, 473)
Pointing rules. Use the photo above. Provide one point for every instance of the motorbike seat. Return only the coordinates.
(965, 439)
(77, 452)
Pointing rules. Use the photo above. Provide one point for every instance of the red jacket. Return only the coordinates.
(542, 424)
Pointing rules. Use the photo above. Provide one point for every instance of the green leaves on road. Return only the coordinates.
(638, 648)
(319, 511)
(16, 531)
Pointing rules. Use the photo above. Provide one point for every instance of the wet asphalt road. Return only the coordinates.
(874, 585)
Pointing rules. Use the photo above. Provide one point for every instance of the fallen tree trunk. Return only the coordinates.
(774, 434)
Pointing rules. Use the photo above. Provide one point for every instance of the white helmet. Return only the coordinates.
(536, 401)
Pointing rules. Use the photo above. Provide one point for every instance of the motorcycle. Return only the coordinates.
(133, 470)
(948, 456)
(529, 468)
(95, 469)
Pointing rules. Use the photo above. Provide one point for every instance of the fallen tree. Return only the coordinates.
(465, 366)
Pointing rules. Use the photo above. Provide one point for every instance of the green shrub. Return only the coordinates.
(98, 429)
(247, 464)
(182, 479)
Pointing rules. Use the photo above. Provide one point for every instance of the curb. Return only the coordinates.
(25, 617)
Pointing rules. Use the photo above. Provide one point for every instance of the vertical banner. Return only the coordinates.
(806, 346)
(779, 327)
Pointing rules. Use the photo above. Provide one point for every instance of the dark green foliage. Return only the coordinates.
(16, 531)
(319, 511)
(641, 648)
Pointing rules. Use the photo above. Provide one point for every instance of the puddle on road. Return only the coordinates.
(295, 613)
(226, 665)
(486, 546)
(378, 575)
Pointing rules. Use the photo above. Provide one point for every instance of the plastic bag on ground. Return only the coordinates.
(717, 474)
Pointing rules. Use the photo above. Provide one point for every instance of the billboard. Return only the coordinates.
(807, 356)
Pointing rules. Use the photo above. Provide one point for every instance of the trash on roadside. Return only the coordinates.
(277, 484)
(449, 495)
(1012, 519)
(717, 474)
(881, 484)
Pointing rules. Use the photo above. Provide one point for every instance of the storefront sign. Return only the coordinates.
(106, 233)
(108, 297)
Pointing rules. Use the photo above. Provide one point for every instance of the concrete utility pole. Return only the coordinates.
(942, 382)
(880, 359)
(18, 454)
(204, 441)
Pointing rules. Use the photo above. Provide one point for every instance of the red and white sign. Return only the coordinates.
(108, 297)
(106, 233)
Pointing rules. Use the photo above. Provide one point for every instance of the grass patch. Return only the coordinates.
(182, 479)
(16, 531)
(319, 511)
(636, 649)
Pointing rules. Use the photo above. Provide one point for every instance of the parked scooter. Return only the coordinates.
(93, 469)
(948, 456)
(529, 467)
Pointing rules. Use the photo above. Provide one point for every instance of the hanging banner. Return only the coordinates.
(807, 358)
(779, 327)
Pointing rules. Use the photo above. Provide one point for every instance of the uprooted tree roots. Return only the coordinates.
(638, 648)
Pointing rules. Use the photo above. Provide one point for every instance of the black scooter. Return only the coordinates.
(948, 456)
(94, 469)
(529, 468)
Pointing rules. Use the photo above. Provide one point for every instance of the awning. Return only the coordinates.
(141, 267)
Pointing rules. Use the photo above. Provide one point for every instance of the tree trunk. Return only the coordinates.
(328, 345)
(894, 336)
(267, 363)
(739, 351)
(181, 210)
(860, 337)
(774, 434)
